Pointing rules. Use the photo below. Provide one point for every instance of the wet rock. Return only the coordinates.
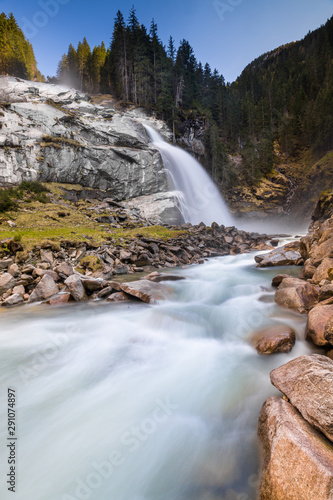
(283, 256)
(146, 291)
(166, 277)
(316, 324)
(299, 295)
(277, 280)
(76, 288)
(298, 460)
(117, 297)
(275, 339)
(307, 381)
(45, 289)
(60, 298)
(13, 300)
(7, 281)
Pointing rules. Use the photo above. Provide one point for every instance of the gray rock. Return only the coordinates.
(146, 290)
(76, 288)
(64, 270)
(45, 289)
(14, 270)
(13, 300)
(6, 282)
(5, 263)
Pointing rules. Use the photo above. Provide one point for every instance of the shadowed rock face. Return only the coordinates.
(53, 133)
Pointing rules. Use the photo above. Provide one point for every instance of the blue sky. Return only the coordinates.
(228, 34)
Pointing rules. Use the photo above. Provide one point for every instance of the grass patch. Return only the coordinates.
(90, 262)
(58, 142)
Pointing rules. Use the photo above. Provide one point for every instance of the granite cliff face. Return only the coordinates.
(54, 134)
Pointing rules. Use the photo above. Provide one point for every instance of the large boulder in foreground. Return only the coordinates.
(298, 460)
(316, 324)
(307, 381)
(274, 339)
(283, 256)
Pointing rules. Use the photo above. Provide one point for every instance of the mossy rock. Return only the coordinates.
(90, 263)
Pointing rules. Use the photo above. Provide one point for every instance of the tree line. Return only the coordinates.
(17, 57)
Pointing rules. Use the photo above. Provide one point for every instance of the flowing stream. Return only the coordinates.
(143, 402)
(201, 200)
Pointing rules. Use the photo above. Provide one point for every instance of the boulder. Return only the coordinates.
(7, 281)
(14, 270)
(13, 300)
(301, 297)
(19, 289)
(5, 263)
(298, 460)
(307, 381)
(326, 292)
(277, 280)
(320, 252)
(283, 256)
(92, 284)
(275, 339)
(309, 269)
(146, 290)
(64, 270)
(59, 299)
(328, 334)
(323, 270)
(76, 288)
(316, 324)
(117, 297)
(45, 289)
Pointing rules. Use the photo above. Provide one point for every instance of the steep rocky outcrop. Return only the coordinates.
(56, 134)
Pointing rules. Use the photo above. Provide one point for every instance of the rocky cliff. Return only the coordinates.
(56, 134)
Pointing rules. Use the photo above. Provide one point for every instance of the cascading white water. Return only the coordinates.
(202, 199)
(134, 402)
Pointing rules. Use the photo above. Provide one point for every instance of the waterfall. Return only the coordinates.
(202, 201)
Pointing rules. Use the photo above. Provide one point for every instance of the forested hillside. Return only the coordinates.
(16, 53)
(280, 106)
(283, 99)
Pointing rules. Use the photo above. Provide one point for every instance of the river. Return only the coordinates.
(131, 401)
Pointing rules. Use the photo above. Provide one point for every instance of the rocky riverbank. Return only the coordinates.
(64, 270)
(297, 431)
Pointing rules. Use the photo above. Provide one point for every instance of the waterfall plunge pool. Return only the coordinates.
(144, 402)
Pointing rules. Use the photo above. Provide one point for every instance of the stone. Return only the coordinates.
(320, 252)
(117, 297)
(11, 223)
(316, 324)
(76, 288)
(328, 333)
(283, 256)
(307, 381)
(277, 280)
(19, 289)
(41, 272)
(14, 270)
(28, 269)
(146, 290)
(59, 299)
(124, 255)
(64, 270)
(46, 256)
(309, 269)
(298, 460)
(7, 281)
(45, 289)
(326, 292)
(323, 270)
(25, 280)
(275, 339)
(301, 297)
(13, 300)
(166, 277)
(92, 284)
(5, 263)
(105, 292)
